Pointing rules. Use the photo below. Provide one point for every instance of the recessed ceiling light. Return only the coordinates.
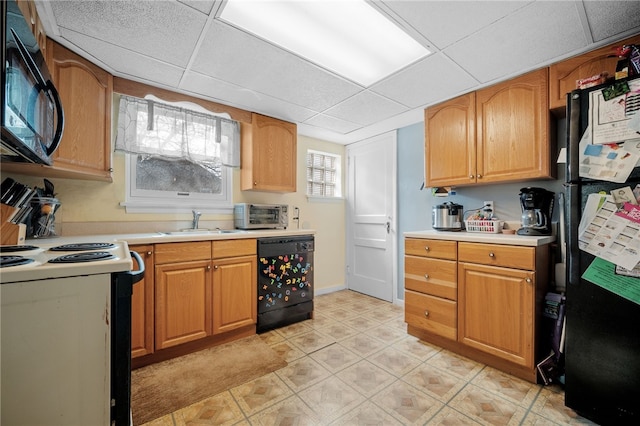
(348, 37)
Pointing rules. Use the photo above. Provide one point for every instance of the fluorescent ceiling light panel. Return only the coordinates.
(348, 37)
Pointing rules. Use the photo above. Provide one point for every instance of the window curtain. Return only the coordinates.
(151, 128)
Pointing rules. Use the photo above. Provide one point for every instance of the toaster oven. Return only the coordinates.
(261, 216)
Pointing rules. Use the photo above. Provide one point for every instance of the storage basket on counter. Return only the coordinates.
(488, 226)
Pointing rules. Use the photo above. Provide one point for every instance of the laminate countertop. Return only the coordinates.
(172, 237)
(483, 237)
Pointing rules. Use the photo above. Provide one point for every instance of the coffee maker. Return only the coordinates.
(537, 208)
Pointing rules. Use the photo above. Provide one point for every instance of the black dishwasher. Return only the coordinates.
(285, 281)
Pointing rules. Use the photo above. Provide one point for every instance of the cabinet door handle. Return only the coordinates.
(426, 313)
(149, 253)
(426, 276)
(215, 267)
(528, 280)
(208, 267)
(479, 176)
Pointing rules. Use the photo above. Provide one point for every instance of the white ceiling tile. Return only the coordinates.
(125, 63)
(165, 30)
(234, 56)
(422, 83)
(366, 108)
(204, 6)
(243, 98)
(606, 20)
(533, 35)
(445, 22)
(334, 124)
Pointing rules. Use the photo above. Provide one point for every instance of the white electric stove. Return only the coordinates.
(65, 333)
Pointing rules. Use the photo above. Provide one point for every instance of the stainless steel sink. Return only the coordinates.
(204, 231)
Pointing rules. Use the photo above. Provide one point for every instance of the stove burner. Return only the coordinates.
(14, 249)
(6, 261)
(91, 256)
(83, 246)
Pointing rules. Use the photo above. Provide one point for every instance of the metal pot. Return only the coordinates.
(447, 217)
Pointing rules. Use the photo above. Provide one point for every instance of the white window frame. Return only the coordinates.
(146, 201)
(338, 171)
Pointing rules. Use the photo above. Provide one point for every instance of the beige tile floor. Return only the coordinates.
(354, 364)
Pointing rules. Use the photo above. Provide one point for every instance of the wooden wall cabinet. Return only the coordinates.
(494, 315)
(235, 287)
(563, 75)
(142, 305)
(497, 134)
(183, 293)
(86, 94)
(269, 155)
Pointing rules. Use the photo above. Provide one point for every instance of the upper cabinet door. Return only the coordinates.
(269, 155)
(86, 92)
(563, 75)
(513, 130)
(450, 148)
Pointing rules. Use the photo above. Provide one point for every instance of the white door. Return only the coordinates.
(371, 208)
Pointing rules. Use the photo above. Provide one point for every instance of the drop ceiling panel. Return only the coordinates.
(423, 83)
(236, 57)
(240, 97)
(445, 22)
(533, 35)
(165, 30)
(366, 108)
(331, 123)
(126, 63)
(606, 20)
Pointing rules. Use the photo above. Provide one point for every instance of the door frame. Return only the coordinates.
(392, 138)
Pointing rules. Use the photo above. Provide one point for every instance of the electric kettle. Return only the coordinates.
(447, 217)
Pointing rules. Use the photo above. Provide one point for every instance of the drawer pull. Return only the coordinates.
(492, 254)
(427, 248)
(426, 313)
(426, 276)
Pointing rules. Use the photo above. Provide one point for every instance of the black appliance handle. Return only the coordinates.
(573, 136)
(57, 137)
(136, 276)
(26, 57)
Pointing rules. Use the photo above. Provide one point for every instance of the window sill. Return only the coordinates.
(164, 208)
(313, 199)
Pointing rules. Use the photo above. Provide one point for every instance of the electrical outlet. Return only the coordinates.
(489, 205)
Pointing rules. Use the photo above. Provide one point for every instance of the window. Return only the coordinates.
(177, 159)
(323, 175)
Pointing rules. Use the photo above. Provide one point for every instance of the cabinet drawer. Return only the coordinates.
(498, 255)
(232, 248)
(432, 314)
(430, 248)
(436, 277)
(181, 252)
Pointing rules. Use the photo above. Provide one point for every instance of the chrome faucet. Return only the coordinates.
(196, 218)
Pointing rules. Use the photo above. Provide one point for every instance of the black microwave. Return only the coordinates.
(31, 112)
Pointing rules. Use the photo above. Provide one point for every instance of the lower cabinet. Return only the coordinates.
(183, 302)
(494, 312)
(191, 293)
(235, 290)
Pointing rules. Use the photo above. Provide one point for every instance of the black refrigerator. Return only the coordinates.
(602, 346)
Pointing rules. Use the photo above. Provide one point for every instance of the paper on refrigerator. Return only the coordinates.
(613, 235)
(611, 162)
(616, 120)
